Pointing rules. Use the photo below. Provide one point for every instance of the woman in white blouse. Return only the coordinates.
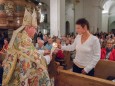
(87, 49)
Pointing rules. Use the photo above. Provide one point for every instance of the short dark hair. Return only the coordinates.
(83, 22)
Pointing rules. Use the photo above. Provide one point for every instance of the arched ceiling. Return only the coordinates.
(108, 5)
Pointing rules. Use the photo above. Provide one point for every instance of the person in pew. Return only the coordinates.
(108, 52)
(45, 38)
(43, 51)
(36, 44)
(87, 49)
(49, 44)
(40, 44)
(5, 46)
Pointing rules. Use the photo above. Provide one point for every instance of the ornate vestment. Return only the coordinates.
(23, 65)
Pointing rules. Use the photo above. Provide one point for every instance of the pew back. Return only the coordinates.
(104, 69)
(66, 78)
(67, 59)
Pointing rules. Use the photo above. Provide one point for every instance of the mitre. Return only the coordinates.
(28, 20)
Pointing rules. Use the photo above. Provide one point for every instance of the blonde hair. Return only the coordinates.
(110, 42)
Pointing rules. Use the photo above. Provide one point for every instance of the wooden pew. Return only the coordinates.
(104, 69)
(68, 60)
(66, 78)
(53, 67)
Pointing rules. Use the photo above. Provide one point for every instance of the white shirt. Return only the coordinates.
(87, 54)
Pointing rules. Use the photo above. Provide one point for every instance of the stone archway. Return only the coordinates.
(112, 26)
(108, 15)
(67, 27)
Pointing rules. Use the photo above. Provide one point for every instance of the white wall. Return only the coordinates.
(109, 17)
(69, 14)
(57, 17)
(48, 9)
(112, 26)
(90, 10)
(111, 14)
(99, 23)
(105, 22)
(85, 8)
(78, 10)
(62, 17)
(111, 22)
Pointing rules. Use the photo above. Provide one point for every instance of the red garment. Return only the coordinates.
(4, 49)
(112, 54)
(60, 54)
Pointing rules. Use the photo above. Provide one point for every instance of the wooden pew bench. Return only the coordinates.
(66, 78)
(67, 59)
(103, 70)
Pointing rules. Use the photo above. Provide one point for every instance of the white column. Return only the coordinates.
(100, 19)
(62, 17)
(57, 17)
(105, 23)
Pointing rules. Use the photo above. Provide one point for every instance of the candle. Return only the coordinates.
(54, 46)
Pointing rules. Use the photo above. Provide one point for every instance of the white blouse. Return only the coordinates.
(87, 54)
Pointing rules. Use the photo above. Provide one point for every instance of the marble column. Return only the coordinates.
(57, 17)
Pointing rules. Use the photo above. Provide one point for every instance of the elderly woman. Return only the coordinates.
(108, 52)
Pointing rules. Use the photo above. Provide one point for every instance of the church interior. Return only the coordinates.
(57, 42)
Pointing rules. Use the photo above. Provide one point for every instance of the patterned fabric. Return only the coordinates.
(23, 66)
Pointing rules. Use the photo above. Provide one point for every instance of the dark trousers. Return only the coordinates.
(1, 73)
(76, 69)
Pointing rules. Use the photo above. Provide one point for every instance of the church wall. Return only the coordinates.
(69, 14)
(48, 9)
(91, 10)
(108, 19)
(111, 21)
(62, 17)
(105, 22)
